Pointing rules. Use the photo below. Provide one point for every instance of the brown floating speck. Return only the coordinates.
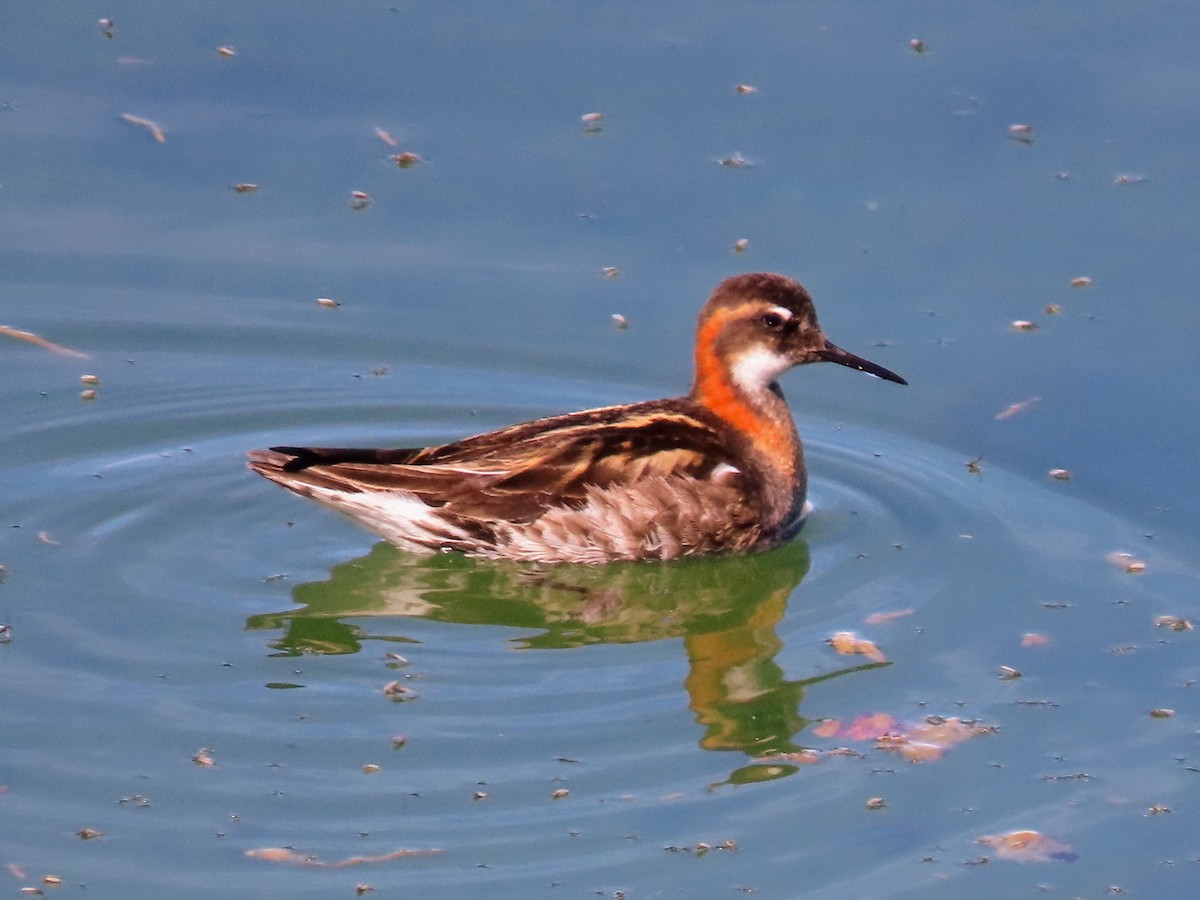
(1007, 673)
(360, 889)
(1060, 474)
(479, 795)
(975, 466)
(51, 880)
(610, 271)
(154, 128)
(1162, 713)
(745, 89)
(204, 757)
(287, 855)
(226, 51)
(1081, 281)
(1021, 133)
(371, 769)
(88, 834)
(399, 741)
(107, 27)
(1016, 408)
(849, 643)
(245, 187)
(1126, 561)
(328, 302)
(30, 338)
(1028, 846)
(89, 379)
(1175, 623)
(87, 394)
(406, 160)
(1033, 639)
(559, 794)
(917, 45)
(1157, 809)
(734, 161)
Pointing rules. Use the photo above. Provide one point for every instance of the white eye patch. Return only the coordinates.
(782, 311)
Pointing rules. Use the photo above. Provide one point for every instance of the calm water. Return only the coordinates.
(162, 599)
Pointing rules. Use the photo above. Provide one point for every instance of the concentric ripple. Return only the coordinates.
(540, 726)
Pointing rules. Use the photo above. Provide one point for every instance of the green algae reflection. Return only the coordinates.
(724, 610)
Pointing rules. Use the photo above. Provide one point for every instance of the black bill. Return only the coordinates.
(834, 353)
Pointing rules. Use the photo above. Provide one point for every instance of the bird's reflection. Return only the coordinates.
(725, 611)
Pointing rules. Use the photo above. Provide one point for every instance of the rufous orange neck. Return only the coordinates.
(765, 421)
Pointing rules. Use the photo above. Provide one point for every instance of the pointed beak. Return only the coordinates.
(834, 353)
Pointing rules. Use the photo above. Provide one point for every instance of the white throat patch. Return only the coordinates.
(757, 368)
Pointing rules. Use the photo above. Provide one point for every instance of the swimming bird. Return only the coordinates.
(718, 470)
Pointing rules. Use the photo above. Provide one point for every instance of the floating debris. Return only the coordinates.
(1125, 179)
(245, 187)
(328, 302)
(745, 89)
(876, 803)
(47, 538)
(359, 200)
(559, 794)
(398, 691)
(386, 138)
(371, 769)
(406, 160)
(88, 834)
(287, 855)
(153, 127)
(107, 27)
(1060, 474)
(1052, 309)
(1157, 809)
(87, 395)
(479, 795)
(1081, 282)
(974, 466)
(1162, 713)
(610, 272)
(6, 633)
(1007, 673)
(203, 757)
(1014, 409)
(876, 618)
(929, 740)
(89, 379)
(360, 889)
(591, 122)
(1024, 325)
(916, 45)
(1126, 561)
(849, 643)
(1033, 639)
(1022, 134)
(1028, 846)
(1175, 623)
(741, 245)
(734, 161)
(619, 322)
(30, 338)
(399, 741)
(226, 51)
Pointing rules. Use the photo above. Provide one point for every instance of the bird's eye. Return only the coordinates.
(773, 320)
